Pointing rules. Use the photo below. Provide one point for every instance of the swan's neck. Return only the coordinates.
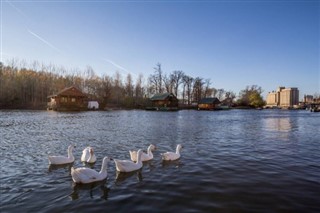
(104, 167)
(90, 157)
(139, 158)
(150, 151)
(178, 150)
(70, 155)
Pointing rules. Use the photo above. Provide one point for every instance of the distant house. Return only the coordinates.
(208, 104)
(164, 101)
(68, 99)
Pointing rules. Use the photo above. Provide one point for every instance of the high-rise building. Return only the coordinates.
(308, 99)
(283, 97)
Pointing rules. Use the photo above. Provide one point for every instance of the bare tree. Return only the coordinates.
(220, 93)
(188, 84)
(214, 92)
(118, 88)
(207, 89)
(106, 89)
(156, 80)
(168, 83)
(176, 78)
(129, 86)
(139, 90)
(198, 89)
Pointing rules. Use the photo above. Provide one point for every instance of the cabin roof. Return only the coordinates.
(70, 91)
(162, 96)
(209, 101)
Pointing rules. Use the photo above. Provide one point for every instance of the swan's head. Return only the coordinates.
(71, 147)
(106, 160)
(179, 146)
(152, 147)
(91, 151)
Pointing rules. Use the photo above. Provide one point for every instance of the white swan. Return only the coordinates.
(86, 175)
(127, 165)
(88, 155)
(58, 160)
(144, 156)
(172, 155)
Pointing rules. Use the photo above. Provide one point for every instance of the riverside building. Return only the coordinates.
(283, 97)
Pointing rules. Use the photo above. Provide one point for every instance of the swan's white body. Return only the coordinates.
(87, 156)
(127, 165)
(87, 175)
(172, 155)
(144, 156)
(58, 160)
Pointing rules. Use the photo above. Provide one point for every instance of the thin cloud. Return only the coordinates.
(43, 40)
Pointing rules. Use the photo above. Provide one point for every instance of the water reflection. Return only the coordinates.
(278, 124)
(149, 165)
(89, 165)
(62, 166)
(226, 153)
(122, 176)
(90, 187)
(175, 163)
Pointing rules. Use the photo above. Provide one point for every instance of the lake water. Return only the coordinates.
(232, 161)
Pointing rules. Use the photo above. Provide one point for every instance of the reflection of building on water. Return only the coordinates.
(278, 124)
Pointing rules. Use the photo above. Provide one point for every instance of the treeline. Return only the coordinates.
(187, 88)
(27, 86)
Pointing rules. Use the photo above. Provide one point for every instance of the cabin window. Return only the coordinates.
(64, 99)
(73, 99)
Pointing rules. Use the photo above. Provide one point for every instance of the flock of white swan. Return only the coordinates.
(87, 175)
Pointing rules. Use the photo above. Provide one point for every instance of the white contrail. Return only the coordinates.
(17, 9)
(118, 66)
(43, 40)
(31, 32)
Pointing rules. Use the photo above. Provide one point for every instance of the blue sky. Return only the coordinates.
(233, 43)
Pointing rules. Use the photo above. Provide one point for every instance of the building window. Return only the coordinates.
(73, 100)
(64, 99)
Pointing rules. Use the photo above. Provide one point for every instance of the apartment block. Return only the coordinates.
(308, 99)
(283, 97)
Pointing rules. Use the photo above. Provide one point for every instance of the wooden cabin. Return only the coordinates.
(68, 99)
(164, 101)
(208, 104)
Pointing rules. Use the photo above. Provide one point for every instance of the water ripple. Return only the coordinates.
(248, 161)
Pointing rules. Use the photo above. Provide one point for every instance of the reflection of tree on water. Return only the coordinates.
(122, 176)
(90, 187)
(56, 167)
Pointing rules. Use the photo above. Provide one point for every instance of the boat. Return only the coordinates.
(315, 107)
